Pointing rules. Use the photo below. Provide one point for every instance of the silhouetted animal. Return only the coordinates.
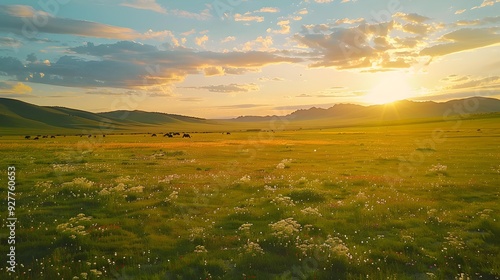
(169, 135)
(104, 135)
(153, 135)
(36, 138)
(45, 136)
(186, 135)
(177, 133)
(90, 135)
(52, 136)
(27, 137)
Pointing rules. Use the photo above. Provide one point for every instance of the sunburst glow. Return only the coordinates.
(390, 88)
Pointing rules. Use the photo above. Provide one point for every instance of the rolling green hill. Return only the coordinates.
(17, 117)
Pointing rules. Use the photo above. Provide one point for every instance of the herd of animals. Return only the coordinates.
(169, 135)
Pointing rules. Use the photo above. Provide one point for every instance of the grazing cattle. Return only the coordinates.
(27, 137)
(45, 136)
(153, 135)
(104, 135)
(228, 133)
(186, 135)
(177, 133)
(169, 135)
(36, 138)
(52, 136)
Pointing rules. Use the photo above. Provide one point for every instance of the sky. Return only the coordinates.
(228, 58)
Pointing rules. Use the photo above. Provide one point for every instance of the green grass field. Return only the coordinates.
(407, 201)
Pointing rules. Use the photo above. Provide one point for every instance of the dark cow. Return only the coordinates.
(27, 137)
(45, 136)
(153, 135)
(36, 138)
(52, 136)
(186, 135)
(104, 135)
(177, 133)
(169, 135)
(89, 136)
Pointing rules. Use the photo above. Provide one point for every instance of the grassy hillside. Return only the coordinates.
(21, 118)
(390, 202)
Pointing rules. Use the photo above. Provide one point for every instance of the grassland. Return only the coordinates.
(406, 201)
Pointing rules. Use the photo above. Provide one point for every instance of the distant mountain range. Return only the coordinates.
(399, 110)
(15, 115)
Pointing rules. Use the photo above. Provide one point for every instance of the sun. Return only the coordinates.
(390, 88)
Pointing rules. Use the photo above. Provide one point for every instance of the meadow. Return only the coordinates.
(400, 201)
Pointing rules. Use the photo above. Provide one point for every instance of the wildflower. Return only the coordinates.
(137, 189)
(79, 182)
(253, 248)
(285, 228)
(245, 227)
(245, 178)
(311, 211)
(283, 200)
(438, 168)
(200, 249)
(283, 164)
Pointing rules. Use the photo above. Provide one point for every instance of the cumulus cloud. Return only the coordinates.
(201, 40)
(345, 48)
(228, 39)
(284, 27)
(14, 88)
(134, 65)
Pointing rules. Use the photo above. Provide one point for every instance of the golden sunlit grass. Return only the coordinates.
(245, 206)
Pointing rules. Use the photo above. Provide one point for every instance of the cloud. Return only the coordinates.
(412, 17)
(28, 22)
(302, 11)
(486, 3)
(203, 15)
(145, 5)
(346, 48)
(349, 21)
(275, 79)
(10, 42)
(241, 106)
(261, 43)
(284, 27)
(201, 40)
(484, 21)
(248, 17)
(267, 10)
(14, 88)
(135, 66)
(463, 40)
(468, 82)
(230, 88)
(458, 12)
(228, 39)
